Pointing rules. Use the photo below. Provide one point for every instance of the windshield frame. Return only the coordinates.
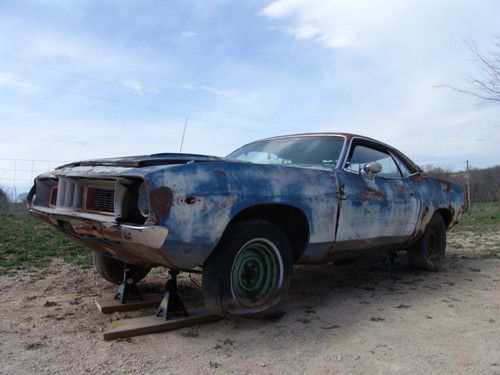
(339, 160)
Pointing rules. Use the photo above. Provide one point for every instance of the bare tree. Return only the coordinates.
(485, 85)
(4, 201)
(484, 183)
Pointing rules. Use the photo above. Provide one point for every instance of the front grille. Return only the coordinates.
(100, 200)
(68, 194)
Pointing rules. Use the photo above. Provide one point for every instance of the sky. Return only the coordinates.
(91, 79)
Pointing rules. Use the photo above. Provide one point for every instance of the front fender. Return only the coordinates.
(207, 196)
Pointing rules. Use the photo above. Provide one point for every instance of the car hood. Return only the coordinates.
(144, 160)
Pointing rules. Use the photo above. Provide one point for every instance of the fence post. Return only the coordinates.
(467, 181)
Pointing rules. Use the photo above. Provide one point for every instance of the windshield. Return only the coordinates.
(323, 151)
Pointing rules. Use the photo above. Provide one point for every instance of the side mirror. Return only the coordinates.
(372, 167)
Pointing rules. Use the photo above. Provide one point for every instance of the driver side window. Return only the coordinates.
(361, 155)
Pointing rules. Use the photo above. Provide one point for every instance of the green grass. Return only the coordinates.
(26, 243)
(481, 218)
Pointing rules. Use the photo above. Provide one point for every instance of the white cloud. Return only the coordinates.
(333, 23)
(12, 81)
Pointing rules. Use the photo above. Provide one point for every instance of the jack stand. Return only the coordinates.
(170, 315)
(171, 304)
(128, 289)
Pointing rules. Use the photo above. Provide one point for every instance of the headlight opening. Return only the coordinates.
(143, 201)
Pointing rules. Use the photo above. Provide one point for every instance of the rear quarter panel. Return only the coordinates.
(436, 194)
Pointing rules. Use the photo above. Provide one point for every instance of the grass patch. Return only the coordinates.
(481, 218)
(26, 242)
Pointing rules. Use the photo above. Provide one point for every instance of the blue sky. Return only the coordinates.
(96, 79)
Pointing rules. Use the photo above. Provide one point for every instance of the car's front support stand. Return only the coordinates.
(172, 304)
(127, 297)
(128, 289)
(171, 314)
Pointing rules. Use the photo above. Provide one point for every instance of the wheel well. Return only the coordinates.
(446, 214)
(289, 219)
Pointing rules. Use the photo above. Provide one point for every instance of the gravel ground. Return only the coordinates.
(339, 319)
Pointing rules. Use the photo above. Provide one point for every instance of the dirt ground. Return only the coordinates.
(339, 319)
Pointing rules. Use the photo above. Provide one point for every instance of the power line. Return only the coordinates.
(123, 86)
(131, 105)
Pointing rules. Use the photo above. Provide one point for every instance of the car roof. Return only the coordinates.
(342, 134)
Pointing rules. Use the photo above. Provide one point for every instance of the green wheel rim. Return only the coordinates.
(255, 271)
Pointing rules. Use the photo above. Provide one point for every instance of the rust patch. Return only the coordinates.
(401, 188)
(417, 177)
(371, 194)
(341, 193)
(94, 229)
(160, 202)
(413, 239)
(447, 187)
(125, 163)
(42, 217)
(228, 201)
(220, 172)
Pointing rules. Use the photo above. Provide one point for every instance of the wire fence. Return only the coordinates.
(17, 175)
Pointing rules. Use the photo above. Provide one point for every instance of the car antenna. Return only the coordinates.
(183, 134)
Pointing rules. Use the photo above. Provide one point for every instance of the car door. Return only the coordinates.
(377, 210)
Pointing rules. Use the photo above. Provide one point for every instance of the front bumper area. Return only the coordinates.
(139, 244)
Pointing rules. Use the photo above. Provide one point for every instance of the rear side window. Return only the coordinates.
(361, 155)
(402, 167)
(405, 162)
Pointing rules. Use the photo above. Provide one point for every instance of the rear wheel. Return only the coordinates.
(428, 253)
(249, 272)
(111, 269)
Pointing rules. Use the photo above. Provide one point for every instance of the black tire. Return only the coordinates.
(428, 253)
(249, 272)
(111, 269)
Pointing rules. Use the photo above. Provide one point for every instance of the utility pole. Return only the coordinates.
(183, 134)
(467, 181)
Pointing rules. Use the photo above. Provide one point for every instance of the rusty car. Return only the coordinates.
(247, 218)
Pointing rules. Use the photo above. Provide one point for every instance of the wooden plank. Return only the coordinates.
(109, 305)
(153, 324)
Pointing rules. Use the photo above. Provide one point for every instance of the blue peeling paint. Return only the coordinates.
(340, 207)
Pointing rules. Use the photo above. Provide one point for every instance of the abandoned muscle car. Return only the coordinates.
(248, 217)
